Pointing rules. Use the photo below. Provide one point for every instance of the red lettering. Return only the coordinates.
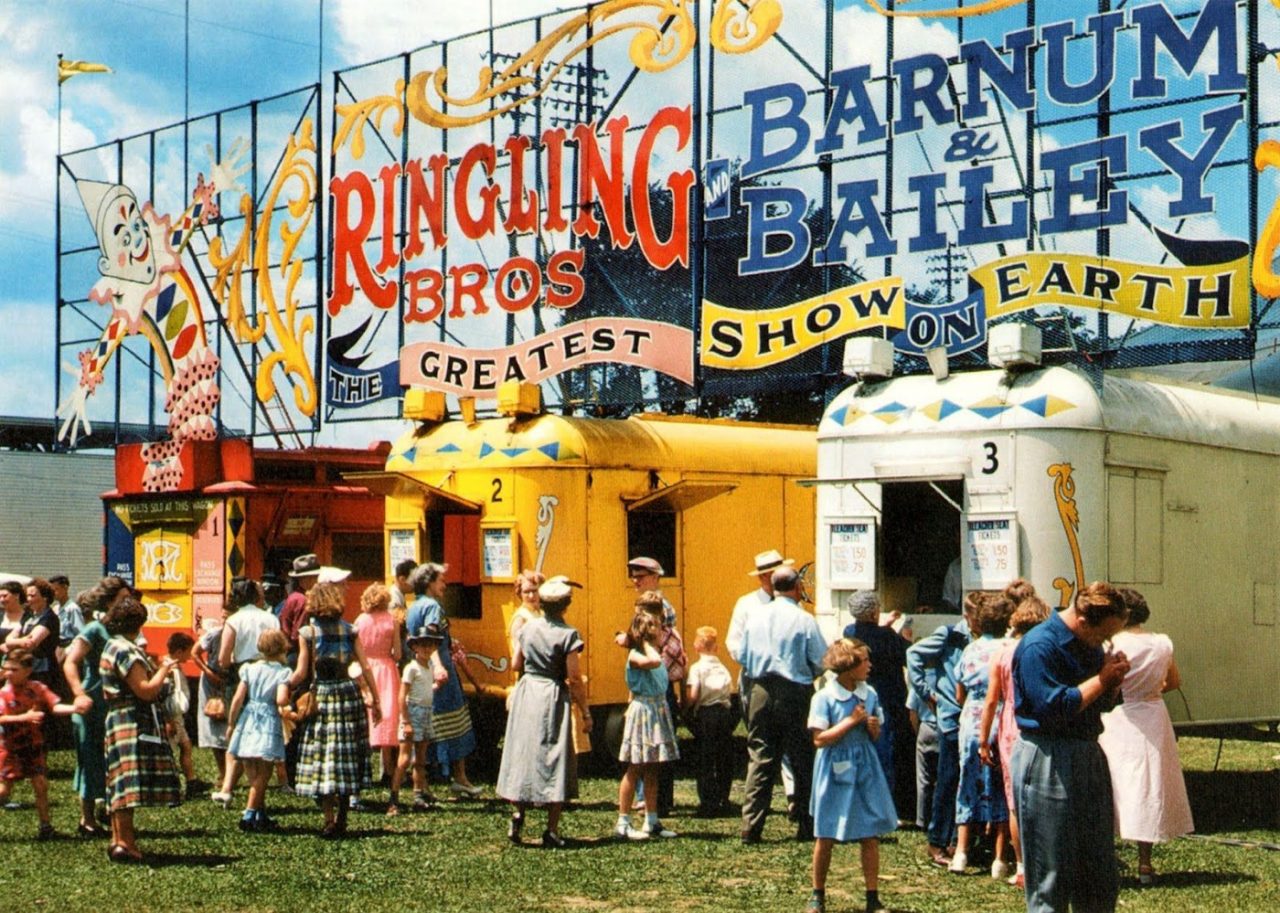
(348, 244)
(523, 215)
(514, 291)
(553, 143)
(662, 254)
(469, 281)
(473, 227)
(420, 285)
(424, 202)
(564, 278)
(387, 178)
(596, 182)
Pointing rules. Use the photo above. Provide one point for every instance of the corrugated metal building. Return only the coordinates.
(51, 514)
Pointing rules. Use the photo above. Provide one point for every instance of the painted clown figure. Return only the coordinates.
(149, 292)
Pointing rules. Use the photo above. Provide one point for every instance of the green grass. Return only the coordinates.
(457, 858)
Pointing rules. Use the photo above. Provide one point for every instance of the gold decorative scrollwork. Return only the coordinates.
(358, 113)
(955, 12)
(1064, 494)
(289, 332)
(741, 26)
(657, 46)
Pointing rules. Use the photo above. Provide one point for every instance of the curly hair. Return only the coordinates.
(1029, 613)
(43, 587)
(424, 575)
(125, 617)
(375, 598)
(1019, 591)
(844, 654)
(1136, 603)
(1099, 601)
(324, 600)
(992, 613)
(527, 579)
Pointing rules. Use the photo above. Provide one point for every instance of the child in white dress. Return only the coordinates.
(257, 734)
(851, 798)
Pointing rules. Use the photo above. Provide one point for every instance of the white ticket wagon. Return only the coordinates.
(929, 487)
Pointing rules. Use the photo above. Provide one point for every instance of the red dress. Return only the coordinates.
(22, 746)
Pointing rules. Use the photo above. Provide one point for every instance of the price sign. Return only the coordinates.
(991, 552)
(851, 550)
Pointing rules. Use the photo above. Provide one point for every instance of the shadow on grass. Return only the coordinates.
(1234, 800)
(186, 860)
(1190, 880)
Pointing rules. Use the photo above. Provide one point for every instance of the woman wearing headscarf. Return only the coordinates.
(539, 766)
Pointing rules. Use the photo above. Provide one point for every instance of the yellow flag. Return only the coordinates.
(69, 68)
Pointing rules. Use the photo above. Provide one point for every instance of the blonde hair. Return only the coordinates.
(1029, 613)
(375, 598)
(527, 578)
(324, 600)
(273, 644)
(844, 654)
(705, 639)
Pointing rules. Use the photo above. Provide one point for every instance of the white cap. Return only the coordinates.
(332, 574)
(557, 589)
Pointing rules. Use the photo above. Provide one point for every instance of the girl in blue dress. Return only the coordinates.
(257, 734)
(850, 799)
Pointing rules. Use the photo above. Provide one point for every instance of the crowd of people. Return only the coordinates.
(1026, 734)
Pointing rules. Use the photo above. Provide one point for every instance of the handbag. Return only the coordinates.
(215, 708)
(305, 705)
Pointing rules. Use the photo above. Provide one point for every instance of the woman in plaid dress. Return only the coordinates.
(333, 762)
(140, 768)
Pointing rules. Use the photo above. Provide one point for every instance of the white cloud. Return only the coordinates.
(366, 33)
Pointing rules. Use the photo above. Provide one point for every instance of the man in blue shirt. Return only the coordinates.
(1063, 682)
(781, 653)
(931, 670)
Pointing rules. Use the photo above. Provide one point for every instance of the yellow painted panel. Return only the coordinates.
(162, 560)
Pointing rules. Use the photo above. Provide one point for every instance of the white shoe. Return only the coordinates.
(999, 869)
(959, 862)
(658, 830)
(627, 832)
(223, 799)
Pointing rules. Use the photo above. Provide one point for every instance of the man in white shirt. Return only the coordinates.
(766, 563)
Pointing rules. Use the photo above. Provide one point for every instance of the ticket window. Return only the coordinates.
(920, 544)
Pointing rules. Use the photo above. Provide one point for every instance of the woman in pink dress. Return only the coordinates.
(1137, 736)
(1030, 612)
(379, 636)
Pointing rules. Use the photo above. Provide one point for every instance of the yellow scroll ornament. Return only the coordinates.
(1064, 494)
(288, 331)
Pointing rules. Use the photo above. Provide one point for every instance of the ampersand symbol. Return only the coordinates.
(969, 144)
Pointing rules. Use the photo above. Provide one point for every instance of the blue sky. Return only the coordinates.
(239, 50)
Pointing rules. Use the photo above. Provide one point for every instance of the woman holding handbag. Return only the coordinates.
(333, 760)
(140, 768)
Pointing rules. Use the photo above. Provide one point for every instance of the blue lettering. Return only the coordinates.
(1190, 171)
(1013, 82)
(929, 94)
(1154, 23)
(774, 212)
(974, 181)
(860, 194)
(850, 104)
(927, 187)
(1104, 55)
(1112, 204)
(762, 124)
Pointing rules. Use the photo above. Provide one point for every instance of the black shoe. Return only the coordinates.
(751, 838)
(552, 841)
(248, 825)
(514, 827)
(46, 832)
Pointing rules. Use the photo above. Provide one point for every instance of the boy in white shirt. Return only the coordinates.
(424, 673)
(711, 718)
